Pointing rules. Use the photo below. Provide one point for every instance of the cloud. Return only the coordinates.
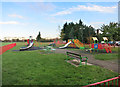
(16, 16)
(96, 24)
(91, 7)
(10, 22)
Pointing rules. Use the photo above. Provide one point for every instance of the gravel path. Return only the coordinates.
(105, 64)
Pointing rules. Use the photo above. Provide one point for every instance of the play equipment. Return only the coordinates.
(79, 44)
(66, 44)
(30, 44)
(74, 43)
(105, 40)
(26, 48)
(100, 46)
(52, 44)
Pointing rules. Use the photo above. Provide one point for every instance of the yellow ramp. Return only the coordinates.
(78, 43)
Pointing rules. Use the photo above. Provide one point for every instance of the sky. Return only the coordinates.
(24, 19)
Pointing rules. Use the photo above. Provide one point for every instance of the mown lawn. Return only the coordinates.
(108, 56)
(34, 68)
(5, 43)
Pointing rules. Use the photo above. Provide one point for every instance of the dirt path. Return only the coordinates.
(105, 64)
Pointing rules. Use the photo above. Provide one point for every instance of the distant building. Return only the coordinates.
(22, 38)
(10, 39)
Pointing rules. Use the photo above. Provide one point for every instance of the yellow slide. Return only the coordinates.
(78, 44)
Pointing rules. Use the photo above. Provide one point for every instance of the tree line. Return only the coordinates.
(84, 33)
(111, 31)
(78, 31)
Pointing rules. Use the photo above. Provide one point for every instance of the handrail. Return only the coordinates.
(94, 84)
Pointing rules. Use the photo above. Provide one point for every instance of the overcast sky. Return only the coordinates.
(24, 19)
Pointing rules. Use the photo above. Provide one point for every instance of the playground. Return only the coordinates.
(49, 65)
(60, 43)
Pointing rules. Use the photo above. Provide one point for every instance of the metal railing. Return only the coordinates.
(113, 82)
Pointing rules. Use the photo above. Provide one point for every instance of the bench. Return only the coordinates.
(77, 57)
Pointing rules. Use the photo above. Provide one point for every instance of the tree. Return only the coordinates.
(38, 37)
(71, 34)
(78, 30)
(65, 32)
(111, 31)
(80, 22)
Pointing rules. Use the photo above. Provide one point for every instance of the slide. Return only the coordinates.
(106, 50)
(78, 44)
(109, 50)
(26, 48)
(66, 45)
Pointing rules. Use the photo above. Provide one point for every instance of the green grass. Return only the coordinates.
(115, 49)
(34, 68)
(106, 56)
(5, 43)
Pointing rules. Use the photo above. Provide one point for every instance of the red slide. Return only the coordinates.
(106, 50)
(109, 50)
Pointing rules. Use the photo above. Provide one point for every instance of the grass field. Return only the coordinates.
(5, 43)
(108, 56)
(34, 68)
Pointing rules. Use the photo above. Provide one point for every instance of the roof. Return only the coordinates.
(105, 38)
(94, 38)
